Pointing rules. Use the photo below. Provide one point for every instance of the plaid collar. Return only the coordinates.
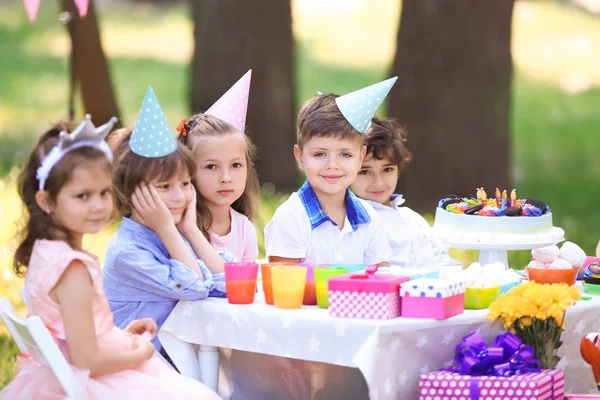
(355, 211)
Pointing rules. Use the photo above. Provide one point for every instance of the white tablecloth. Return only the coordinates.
(390, 354)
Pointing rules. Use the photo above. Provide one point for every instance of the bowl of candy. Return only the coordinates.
(480, 297)
(553, 265)
(485, 283)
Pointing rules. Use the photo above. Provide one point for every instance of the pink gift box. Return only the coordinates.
(440, 302)
(445, 385)
(582, 396)
(367, 296)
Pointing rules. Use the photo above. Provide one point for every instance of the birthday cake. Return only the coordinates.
(480, 219)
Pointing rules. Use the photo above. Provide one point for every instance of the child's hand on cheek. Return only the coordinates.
(150, 209)
(188, 222)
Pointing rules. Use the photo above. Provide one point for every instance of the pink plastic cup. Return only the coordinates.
(310, 293)
(240, 280)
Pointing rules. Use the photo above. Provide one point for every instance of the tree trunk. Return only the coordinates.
(231, 37)
(90, 64)
(454, 68)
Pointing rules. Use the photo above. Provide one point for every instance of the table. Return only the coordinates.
(391, 354)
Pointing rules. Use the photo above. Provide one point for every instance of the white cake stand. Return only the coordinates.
(497, 252)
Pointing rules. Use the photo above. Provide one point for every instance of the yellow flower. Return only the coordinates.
(533, 300)
(525, 321)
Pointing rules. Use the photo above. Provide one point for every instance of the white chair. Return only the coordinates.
(32, 337)
(23, 296)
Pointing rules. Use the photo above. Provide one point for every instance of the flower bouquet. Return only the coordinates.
(535, 313)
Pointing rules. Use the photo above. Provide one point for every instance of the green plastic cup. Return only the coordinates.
(322, 276)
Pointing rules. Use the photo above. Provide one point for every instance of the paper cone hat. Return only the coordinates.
(359, 107)
(233, 105)
(151, 136)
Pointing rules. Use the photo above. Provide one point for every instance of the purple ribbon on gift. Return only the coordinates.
(506, 357)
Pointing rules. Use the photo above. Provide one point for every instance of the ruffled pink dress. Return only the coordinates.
(152, 380)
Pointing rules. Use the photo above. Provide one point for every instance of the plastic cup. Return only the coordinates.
(352, 267)
(240, 281)
(265, 270)
(310, 294)
(288, 286)
(322, 276)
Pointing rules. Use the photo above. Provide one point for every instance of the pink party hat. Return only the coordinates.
(82, 7)
(233, 105)
(31, 6)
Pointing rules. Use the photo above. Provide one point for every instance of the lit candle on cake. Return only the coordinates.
(497, 195)
(513, 198)
(483, 194)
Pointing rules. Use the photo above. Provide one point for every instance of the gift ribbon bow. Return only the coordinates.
(506, 357)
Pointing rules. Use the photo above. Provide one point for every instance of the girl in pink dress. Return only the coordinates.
(66, 187)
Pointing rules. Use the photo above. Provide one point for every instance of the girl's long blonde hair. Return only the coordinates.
(208, 125)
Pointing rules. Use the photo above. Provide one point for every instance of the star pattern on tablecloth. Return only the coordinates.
(425, 369)
(395, 345)
(234, 314)
(286, 323)
(340, 328)
(187, 309)
(422, 341)
(314, 343)
(448, 338)
(402, 378)
(374, 394)
(209, 330)
(563, 363)
(579, 327)
(449, 363)
(260, 337)
(387, 386)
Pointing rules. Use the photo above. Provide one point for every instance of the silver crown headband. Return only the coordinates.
(85, 135)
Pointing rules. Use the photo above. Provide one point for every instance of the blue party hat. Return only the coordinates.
(151, 136)
(359, 107)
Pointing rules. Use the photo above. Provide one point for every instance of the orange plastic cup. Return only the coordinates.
(265, 270)
(240, 281)
(540, 275)
(288, 286)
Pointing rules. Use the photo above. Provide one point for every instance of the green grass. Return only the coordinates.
(554, 111)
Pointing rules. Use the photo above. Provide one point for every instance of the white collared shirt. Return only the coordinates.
(405, 230)
(289, 234)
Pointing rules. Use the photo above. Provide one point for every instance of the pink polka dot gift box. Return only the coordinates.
(447, 385)
(432, 298)
(366, 296)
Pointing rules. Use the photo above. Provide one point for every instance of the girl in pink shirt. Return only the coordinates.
(226, 184)
(226, 181)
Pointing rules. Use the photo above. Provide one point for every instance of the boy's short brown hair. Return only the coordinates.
(130, 169)
(321, 117)
(385, 140)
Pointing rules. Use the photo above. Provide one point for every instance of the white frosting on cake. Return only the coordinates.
(494, 230)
